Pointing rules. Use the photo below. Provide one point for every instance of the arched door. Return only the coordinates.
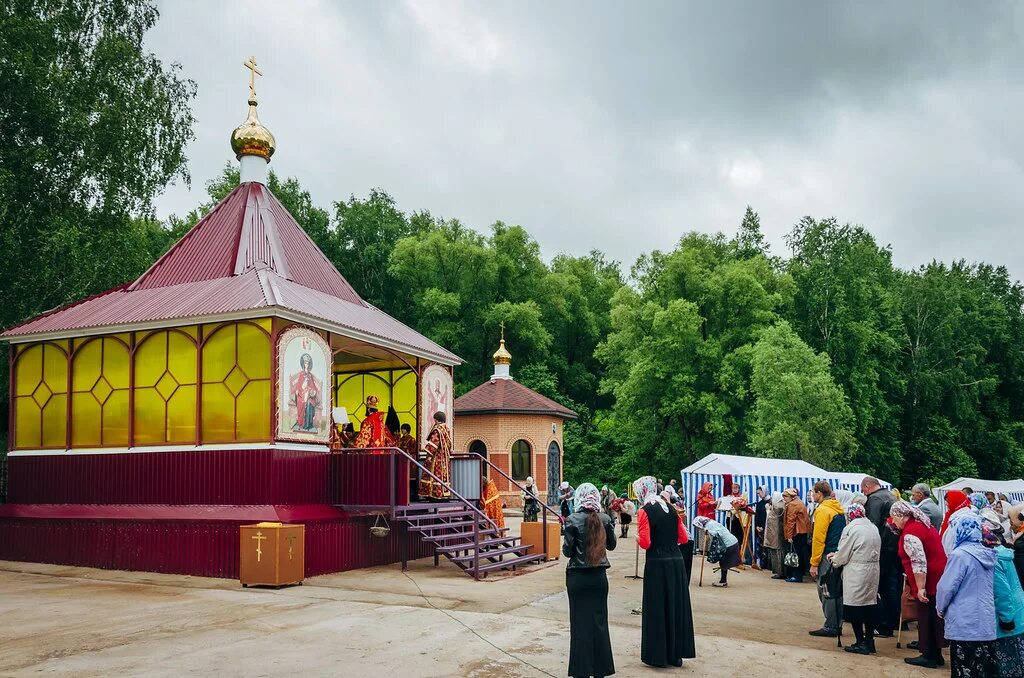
(478, 447)
(554, 472)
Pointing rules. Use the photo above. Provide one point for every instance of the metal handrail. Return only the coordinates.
(392, 451)
(547, 508)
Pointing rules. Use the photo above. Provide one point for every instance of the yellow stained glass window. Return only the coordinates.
(99, 393)
(165, 388)
(236, 384)
(392, 387)
(40, 396)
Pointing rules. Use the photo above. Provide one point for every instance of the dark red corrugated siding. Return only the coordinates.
(265, 476)
(204, 549)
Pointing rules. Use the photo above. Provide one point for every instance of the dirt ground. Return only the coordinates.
(84, 622)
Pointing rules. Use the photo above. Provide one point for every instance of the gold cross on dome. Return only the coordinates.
(251, 65)
(503, 330)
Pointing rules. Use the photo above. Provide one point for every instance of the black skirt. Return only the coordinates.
(667, 636)
(972, 659)
(859, 614)
(590, 647)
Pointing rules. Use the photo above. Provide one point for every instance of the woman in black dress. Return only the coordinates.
(667, 636)
(589, 533)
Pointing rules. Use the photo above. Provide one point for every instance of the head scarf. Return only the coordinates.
(978, 500)
(854, 511)
(564, 485)
(587, 498)
(1017, 516)
(706, 488)
(955, 500)
(777, 500)
(646, 490)
(701, 522)
(904, 509)
(968, 530)
(529, 481)
(990, 536)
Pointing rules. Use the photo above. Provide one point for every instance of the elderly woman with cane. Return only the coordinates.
(858, 553)
(924, 560)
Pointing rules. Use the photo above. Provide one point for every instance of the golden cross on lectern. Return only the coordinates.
(251, 65)
(258, 538)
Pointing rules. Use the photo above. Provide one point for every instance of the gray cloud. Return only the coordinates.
(621, 127)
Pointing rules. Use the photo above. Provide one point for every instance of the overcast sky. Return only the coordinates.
(621, 126)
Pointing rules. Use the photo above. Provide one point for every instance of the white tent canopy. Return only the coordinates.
(720, 464)
(851, 481)
(1013, 489)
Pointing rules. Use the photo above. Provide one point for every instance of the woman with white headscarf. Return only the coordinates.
(589, 534)
(773, 534)
(667, 634)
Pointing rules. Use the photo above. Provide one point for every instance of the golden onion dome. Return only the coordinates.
(502, 356)
(251, 137)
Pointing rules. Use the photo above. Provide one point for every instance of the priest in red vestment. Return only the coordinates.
(439, 460)
(373, 432)
(490, 501)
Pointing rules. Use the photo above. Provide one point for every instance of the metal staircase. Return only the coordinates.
(463, 536)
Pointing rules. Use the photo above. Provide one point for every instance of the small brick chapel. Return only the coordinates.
(516, 428)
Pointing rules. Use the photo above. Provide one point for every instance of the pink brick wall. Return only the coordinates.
(498, 432)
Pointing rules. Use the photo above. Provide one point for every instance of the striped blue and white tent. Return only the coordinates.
(851, 481)
(750, 472)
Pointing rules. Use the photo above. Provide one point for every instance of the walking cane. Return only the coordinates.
(636, 565)
(899, 631)
(703, 559)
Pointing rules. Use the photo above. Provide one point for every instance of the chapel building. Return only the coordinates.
(516, 429)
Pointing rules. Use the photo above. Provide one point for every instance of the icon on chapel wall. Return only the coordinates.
(435, 395)
(303, 377)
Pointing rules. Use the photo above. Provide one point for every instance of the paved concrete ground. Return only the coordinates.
(84, 622)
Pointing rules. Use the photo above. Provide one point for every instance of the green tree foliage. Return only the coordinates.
(847, 305)
(677, 360)
(94, 127)
(798, 412)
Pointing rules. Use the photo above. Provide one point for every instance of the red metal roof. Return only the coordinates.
(506, 396)
(248, 230)
(246, 254)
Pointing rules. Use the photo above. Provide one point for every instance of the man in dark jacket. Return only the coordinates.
(890, 569)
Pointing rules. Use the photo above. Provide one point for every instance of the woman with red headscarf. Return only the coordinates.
(705, 508)
(958, 505)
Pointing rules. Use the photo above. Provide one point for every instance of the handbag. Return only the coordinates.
(791, 559)
(716, 550)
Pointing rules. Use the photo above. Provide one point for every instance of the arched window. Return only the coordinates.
(165, 388)
(236, 384)
(40, 396)
(99, 398)
(521, 466)
(478, 447)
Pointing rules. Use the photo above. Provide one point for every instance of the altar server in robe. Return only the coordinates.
(439, 460)
(490, 500)
(667, 629)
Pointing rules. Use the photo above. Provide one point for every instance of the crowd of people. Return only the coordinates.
(960, 571)
(879, 563)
